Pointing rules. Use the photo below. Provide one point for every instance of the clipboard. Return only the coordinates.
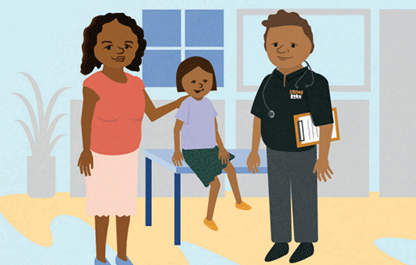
(308, 134)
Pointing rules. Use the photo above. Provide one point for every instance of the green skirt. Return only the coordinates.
(205, 163)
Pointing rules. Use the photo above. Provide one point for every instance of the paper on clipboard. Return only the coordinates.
(308, 134)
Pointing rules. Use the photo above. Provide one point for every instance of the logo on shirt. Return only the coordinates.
(296, 94)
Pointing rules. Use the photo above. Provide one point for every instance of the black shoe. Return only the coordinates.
(303, 251)
(277, 251)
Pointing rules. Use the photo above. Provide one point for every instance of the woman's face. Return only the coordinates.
(116, 45)
(197, 83)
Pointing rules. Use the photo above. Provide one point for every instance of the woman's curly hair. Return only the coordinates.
(283, 18)
(89, 61)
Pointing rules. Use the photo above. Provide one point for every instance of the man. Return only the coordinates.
(292, 172)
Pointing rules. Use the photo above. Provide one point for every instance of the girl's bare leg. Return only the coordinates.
(122, 224)
(101, 228)
(213, 194)
(232, 177)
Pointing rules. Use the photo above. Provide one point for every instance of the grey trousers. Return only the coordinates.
(290, 177)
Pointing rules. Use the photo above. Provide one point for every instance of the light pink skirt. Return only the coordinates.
(112, 186)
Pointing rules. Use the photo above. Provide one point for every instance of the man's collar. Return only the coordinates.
(291, 75)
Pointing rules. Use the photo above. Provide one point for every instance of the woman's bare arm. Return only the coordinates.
(155, 113)
(88, 107)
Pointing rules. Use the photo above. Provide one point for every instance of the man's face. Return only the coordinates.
(287, 46)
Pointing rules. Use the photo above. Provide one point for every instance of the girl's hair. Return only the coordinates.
(190, 64)
(89, 61)
(283, 18)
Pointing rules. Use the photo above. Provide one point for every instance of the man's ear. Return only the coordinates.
(312, 48)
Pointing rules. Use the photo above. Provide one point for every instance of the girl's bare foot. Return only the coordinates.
(242, 206)
(211, 224)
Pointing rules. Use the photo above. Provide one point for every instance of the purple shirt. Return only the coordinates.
(198, 130)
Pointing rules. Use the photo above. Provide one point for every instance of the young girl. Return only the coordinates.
(202, 146)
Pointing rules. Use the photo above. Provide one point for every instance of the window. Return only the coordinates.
(174, 35)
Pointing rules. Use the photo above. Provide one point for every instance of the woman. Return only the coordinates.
(113, 108)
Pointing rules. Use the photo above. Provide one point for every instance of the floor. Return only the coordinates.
(348, 229)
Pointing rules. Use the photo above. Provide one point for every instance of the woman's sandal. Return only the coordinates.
(122, 262)
(97, 262)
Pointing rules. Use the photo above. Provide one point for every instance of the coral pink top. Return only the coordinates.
(117, 121)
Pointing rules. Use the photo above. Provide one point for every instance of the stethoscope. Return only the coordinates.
(271, 113)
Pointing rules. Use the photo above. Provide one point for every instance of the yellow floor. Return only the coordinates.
(347, 227)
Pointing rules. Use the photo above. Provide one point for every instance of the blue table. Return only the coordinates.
(164, 158)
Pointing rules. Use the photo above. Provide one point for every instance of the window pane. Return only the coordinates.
(162, 28)
(217, 60)
(204, 28)
(159, 68)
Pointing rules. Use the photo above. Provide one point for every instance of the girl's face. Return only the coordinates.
(116, 45)
(197, 83)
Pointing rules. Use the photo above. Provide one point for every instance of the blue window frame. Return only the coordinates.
(204, 28)
(162, 28)
(166, 46)
(159, 67)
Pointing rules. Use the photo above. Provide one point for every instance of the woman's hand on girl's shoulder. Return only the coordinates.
(179, 101)
(84, 162)
(177, 158)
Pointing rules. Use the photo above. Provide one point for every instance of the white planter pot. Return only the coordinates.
(41, 176)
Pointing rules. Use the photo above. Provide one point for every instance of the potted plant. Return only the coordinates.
(41, 169)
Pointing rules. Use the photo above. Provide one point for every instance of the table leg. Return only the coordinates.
(148, 192)
(177, 209)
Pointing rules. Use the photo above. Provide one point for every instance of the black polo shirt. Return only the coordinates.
(278, 133)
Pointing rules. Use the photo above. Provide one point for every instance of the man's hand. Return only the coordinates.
(253, 161)
(322, 166)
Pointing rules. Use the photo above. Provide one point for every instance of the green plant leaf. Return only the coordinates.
(51, 104)
(39, 102)
(29, 136)
(32, 116)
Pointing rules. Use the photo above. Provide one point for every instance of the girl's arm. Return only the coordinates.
(176, 132)
(155, 113)
(88, 107)
(222, 153)
(177, 155)
(218, 137)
